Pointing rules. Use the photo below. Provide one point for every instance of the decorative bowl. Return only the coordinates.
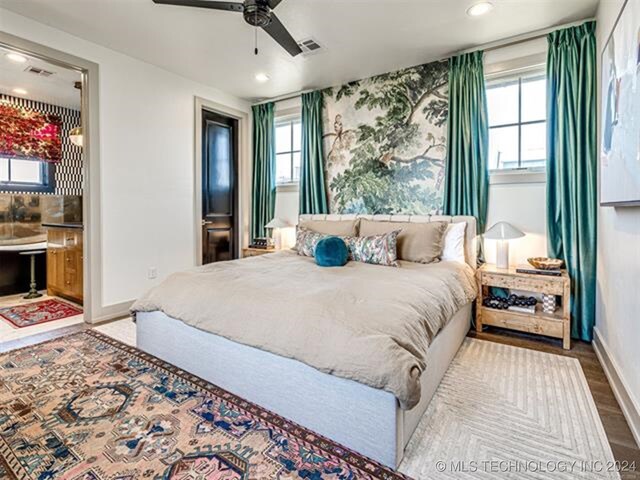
(544, 263)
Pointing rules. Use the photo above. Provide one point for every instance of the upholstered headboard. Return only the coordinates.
(470, 237)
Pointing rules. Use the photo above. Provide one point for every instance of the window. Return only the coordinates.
(517, 122)
(26, 175)
(288, 141)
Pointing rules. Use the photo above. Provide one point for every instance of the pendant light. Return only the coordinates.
(75, 135)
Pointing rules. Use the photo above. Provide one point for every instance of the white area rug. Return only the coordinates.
(508, 412)
(122, 330)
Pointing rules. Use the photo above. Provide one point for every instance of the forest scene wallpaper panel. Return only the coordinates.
(385, 142)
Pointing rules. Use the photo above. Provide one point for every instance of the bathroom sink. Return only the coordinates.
(16, 234)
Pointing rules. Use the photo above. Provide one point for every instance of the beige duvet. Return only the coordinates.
(368, 323)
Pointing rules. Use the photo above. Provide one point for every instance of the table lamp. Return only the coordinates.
(277, 224)
(503, 232)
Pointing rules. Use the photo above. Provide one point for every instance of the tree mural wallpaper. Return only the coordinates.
(385, 142)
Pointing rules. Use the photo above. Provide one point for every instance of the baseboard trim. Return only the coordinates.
(620, 388)
(111, 312)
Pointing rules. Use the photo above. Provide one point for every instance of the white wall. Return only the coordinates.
(524, 206)
(147, 161)
(287, 204)
(618, 277)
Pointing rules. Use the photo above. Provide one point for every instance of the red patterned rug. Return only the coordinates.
(87, 407)
(38, 312)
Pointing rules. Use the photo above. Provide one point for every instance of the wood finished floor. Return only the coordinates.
(618, 433)
(615, 425)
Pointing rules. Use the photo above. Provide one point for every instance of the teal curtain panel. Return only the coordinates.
(571, 166)
(466, 190)
(263, 200)
(313, 194)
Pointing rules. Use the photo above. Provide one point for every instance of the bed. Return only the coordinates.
(375, 419)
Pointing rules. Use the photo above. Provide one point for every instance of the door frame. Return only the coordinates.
(93, 309)
(244, 172)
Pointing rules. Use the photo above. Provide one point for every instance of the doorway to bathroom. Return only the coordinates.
(42, 191)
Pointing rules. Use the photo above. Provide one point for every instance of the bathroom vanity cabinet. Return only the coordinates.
(64, 262)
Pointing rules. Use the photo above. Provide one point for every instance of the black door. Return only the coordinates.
(219, 187)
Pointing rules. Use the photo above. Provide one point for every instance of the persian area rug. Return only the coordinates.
(35, 313)
(87, 407)
(508, 412)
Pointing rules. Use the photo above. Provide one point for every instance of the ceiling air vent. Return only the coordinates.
(38, 71)
(309, 46)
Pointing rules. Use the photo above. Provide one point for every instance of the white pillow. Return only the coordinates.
(453, 249)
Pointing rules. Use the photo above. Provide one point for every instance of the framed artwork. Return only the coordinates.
(620, 124)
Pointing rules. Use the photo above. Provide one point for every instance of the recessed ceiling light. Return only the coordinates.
(20, 91)
(16, 57)
(479, 9)
(262, 77)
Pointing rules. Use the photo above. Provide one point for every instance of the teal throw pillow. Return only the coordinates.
(331, 252)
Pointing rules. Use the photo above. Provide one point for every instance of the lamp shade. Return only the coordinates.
(503, 231)
(278, 223)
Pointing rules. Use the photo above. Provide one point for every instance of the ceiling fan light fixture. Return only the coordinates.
(479, 9)
(256, 13)
(262, 77)
(16, 57)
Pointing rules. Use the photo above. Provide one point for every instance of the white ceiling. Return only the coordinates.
(360, 37)
(57, 89)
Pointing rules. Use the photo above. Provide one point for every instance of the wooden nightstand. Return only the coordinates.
(556, 324)
(254, 252)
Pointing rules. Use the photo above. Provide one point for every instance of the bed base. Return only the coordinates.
(357, 416)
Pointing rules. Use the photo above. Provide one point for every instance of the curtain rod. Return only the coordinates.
(286, 96)
(525, 37)
(487, 47)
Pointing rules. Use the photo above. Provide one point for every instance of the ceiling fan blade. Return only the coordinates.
(229, 6)
(280, 34)
(274, 3)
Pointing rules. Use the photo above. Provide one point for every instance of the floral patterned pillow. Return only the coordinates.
(376, 249)
(306, 241)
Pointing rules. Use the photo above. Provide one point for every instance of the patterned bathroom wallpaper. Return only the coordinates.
(385, 142)
(69, 171)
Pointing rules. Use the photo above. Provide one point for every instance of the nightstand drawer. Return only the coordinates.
(523, 322)
(549, 285)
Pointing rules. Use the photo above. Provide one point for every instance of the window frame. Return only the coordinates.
(290, 119)
(517, 77)
(47, 174)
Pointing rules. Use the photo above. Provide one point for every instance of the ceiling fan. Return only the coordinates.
(257, 13)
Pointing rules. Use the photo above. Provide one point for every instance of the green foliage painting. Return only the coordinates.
(385, 142)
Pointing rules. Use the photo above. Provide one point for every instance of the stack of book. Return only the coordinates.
(537, 271)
